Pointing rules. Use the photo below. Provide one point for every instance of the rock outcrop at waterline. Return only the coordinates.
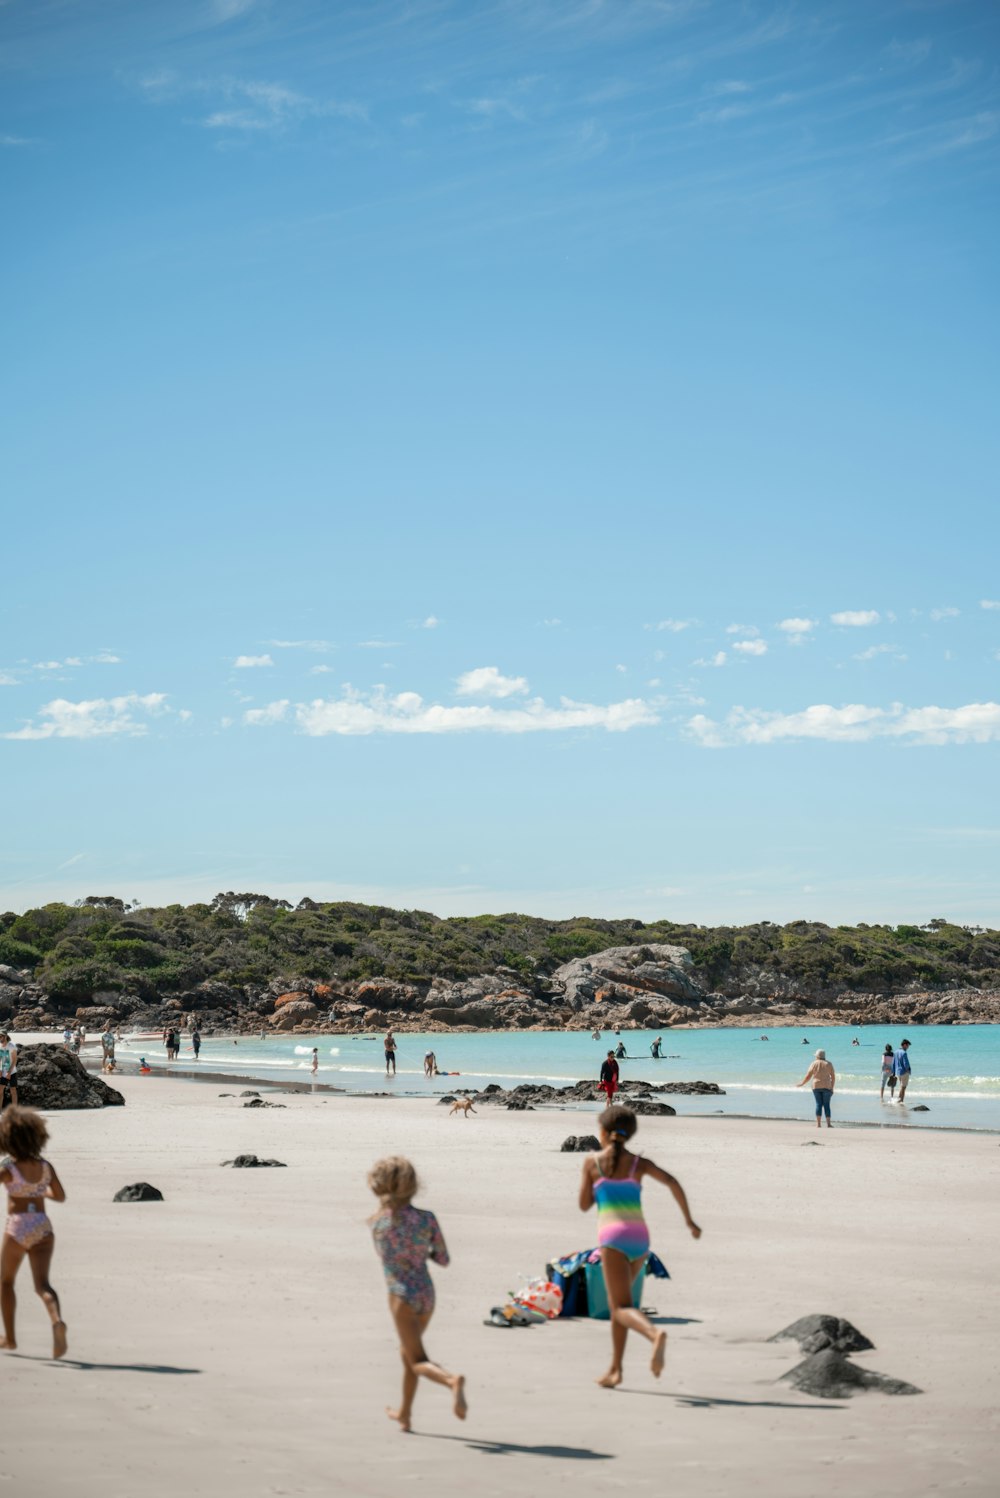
(651, 986)
(50, 1077)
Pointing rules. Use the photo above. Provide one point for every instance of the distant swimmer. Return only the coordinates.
(765, 1037)
(620, 1051)
(855, 1041)
(654, 1049)
(314, 1068)
(595, 1035)
(806, 1040)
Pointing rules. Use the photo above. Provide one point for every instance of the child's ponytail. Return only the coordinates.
(621, 1123)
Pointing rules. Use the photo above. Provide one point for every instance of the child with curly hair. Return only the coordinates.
(405, 1238)
(29, 1181)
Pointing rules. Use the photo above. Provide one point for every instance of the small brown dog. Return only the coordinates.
(462, 1105)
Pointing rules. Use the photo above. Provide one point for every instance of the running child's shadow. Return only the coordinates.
(708, 1402)
(509, 1448)
(83, 1367)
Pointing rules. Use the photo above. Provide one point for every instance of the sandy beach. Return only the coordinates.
(234, 1339)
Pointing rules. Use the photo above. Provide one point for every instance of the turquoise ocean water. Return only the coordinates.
(956, 1068)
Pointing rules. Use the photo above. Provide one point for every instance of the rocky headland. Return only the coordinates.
(643, 986)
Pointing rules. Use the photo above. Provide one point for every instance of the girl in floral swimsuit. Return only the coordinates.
(29, 1181)
(613, 1179)
(405, 1238)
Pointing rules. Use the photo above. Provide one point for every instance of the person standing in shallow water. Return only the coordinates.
(901, 1068)
(613, 1180)
(609, 1077)
(389, 1045)
(888, 1075)
(823, 1078)
(30, 1181)
(405, 1238)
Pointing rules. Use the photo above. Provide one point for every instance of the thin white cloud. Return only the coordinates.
(407, 713)
(248, 662)
(320, 646)
(750, 647)
(107, 658)
(555, 623)
(876, 650)
(797, 629)
(275, 712)
(489, 681)
(68, 864)
(989, 603)
(96, 718)
(378, 644)
(228, 10)
(944, 613)
(322, 670)
(673, 625)
(856, 618)
(718, 659)
(431, 622)
(742, 629)
(622, 669)
(977, 722)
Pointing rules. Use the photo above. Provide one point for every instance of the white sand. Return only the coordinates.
(234, 1339)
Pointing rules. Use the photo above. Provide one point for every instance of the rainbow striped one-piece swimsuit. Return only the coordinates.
(620, 1223)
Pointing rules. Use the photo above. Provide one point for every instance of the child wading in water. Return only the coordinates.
(29, 1180)
(405, 1238)
(613, 1179)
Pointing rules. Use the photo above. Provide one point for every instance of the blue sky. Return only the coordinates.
(516, 455)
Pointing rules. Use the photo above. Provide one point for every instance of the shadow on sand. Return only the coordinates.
(83, 1367)
(511, 1448)
(707, 1402)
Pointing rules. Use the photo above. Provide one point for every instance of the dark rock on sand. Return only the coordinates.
(251, 1162)
(141, 1191)
(580, 1143)
(830, 1375)
(920, 1108)
(249, 1094)
(660, 1110)
(258, 1102)
(519, 1105)
(818, 1332)
(50, 1077)
(446, 1099)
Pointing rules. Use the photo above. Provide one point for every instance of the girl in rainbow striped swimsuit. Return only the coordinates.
(613, 1179)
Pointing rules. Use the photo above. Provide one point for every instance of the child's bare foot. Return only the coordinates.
(458, 1389)
(404, 1420)
(659, 1354)
(7, 1346)
(59, 1343)
(611, 1379)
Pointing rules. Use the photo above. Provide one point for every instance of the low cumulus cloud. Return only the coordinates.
(247, 662)
(750, 647)
(856, 618)
(489, 681)
(975, 723)
(356, 714)
(797, 629)
(97, 718)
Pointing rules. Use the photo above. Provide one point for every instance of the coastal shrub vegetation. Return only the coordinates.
(104, 943)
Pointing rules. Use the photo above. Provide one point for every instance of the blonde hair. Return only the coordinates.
(394, 1181)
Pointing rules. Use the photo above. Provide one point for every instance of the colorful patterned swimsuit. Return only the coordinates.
(620, 1223)
(33, 1226)
(405, 1239)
